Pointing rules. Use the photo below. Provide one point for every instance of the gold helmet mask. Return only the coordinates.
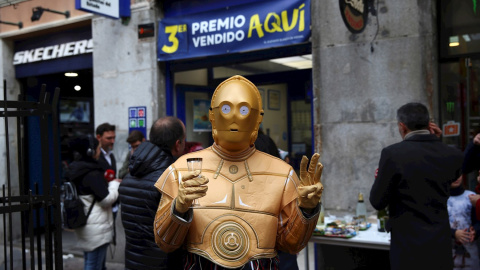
(236, 113)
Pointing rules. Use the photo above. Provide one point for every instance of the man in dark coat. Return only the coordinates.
(413, 180)
(140, 199)
(105, 134)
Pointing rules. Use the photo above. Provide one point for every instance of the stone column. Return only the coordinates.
(360, 80)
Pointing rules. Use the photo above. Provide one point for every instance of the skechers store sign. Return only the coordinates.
(234, 29)
(53, 52)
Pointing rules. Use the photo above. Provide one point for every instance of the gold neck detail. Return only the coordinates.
(233, 156)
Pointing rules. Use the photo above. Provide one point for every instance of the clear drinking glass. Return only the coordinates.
(194, 164)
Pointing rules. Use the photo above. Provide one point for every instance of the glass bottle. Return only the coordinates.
(361, 209)
(381, 219)
(321, 218)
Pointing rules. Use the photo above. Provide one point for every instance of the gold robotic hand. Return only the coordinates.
(192, 186)
(310, 189)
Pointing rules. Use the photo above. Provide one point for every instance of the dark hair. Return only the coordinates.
(265, 144)
(103, 128)
(166, 131)
(135, 136)
(82, 146)
(414, 115)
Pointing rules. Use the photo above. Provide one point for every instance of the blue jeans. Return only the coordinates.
(95, 259)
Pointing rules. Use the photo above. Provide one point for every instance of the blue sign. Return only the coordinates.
(240, 28)
(137, 119)
(110, 8)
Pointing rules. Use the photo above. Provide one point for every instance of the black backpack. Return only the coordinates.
(73, 215)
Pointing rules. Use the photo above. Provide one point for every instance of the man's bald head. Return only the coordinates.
(165, 133)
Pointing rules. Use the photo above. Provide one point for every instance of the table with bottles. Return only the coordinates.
(370, 238)
(369, 249)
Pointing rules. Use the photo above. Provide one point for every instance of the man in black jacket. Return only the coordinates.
(105, 134)
(140, 199)
(413, 180)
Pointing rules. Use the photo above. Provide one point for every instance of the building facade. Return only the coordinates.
(357, 66)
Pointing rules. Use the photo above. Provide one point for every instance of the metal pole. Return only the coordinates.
(19, 24)
(66, 13)
(467, 116)
(9, 185)
(56, 194)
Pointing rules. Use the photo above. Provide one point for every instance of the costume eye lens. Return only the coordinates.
(244, 110)
(226, 109)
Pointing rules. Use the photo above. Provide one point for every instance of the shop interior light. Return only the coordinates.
(298, 62)
(38, 11)
(466, 38)
(71, 74)
(454, 41)
(475, 36)
(77, 87)
(19, 24)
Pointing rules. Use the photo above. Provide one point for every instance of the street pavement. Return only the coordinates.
(115, 254)
(72, 255)
(70, 262)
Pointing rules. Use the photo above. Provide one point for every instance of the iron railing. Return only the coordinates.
(39, 245)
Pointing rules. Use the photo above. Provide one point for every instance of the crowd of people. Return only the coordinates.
(433, 220)
(252, 211)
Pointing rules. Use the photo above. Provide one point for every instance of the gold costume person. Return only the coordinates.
(251, 204)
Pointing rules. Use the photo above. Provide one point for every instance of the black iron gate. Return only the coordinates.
(32, 226)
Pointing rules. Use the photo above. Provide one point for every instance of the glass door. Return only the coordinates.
(459, 101)
(472, 67)
(460, 105)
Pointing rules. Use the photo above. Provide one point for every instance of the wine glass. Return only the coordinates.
(194, 164)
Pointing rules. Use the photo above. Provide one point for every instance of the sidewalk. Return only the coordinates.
(72, 255)
(70, 262)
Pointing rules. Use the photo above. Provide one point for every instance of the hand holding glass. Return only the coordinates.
(194, 164)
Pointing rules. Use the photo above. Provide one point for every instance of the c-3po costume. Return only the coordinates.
(250, 209)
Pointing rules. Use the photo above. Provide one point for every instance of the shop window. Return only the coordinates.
(460, 101)
(459, 27)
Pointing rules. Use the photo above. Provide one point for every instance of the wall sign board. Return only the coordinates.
(110, 8)
(354, 14)
(137, 119)
(54, 52)
(451, 128)
(146, 30)
(264, 24)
